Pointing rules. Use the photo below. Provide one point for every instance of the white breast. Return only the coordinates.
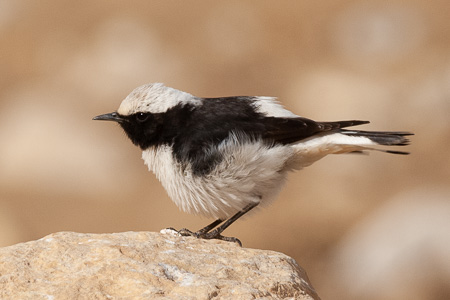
(248, 173)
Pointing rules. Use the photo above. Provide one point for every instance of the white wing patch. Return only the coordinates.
(270, 107)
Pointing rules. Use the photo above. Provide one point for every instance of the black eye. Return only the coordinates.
(141, 117)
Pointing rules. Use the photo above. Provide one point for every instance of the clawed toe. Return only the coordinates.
(187, 232)
(217, 236)
(228, 239)
(207, 235)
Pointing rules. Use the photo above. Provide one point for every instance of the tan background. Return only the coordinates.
(363, 227)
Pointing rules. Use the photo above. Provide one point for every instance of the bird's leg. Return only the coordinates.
(209, 227)
(216, 233)
(199, 233)
(206, 233)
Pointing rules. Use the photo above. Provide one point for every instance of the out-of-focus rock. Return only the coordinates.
(144, 265)
(403, 246)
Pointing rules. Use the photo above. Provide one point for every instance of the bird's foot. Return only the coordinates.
(207, 235)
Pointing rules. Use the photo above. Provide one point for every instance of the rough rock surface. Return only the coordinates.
(146, 265)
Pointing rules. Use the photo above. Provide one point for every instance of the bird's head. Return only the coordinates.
(142, 114)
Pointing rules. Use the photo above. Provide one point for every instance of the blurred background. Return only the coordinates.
(363, 227)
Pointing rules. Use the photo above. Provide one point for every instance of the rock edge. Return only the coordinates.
(146, 265)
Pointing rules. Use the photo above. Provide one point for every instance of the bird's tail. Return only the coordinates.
(385, 138)
(335, 140)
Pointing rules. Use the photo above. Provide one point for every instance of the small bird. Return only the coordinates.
(222, 157)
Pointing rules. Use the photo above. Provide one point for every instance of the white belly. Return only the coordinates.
(248, 173)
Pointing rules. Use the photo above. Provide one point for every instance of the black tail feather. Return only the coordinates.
(396, 152)
(388, 138)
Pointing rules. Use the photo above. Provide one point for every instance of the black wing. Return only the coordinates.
(219, 116)
(291, 130)
(208, 125)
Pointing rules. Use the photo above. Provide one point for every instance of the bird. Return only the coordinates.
(222, 157)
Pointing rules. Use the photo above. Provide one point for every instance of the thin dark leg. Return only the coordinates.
(216, 233)
(206, 229)
(209, 227)
(206, 233)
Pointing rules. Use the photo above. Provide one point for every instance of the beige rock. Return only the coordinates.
(146, 265)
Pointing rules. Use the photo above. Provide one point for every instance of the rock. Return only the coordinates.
(146, 265)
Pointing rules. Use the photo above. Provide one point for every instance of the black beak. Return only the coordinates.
(110, 117)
